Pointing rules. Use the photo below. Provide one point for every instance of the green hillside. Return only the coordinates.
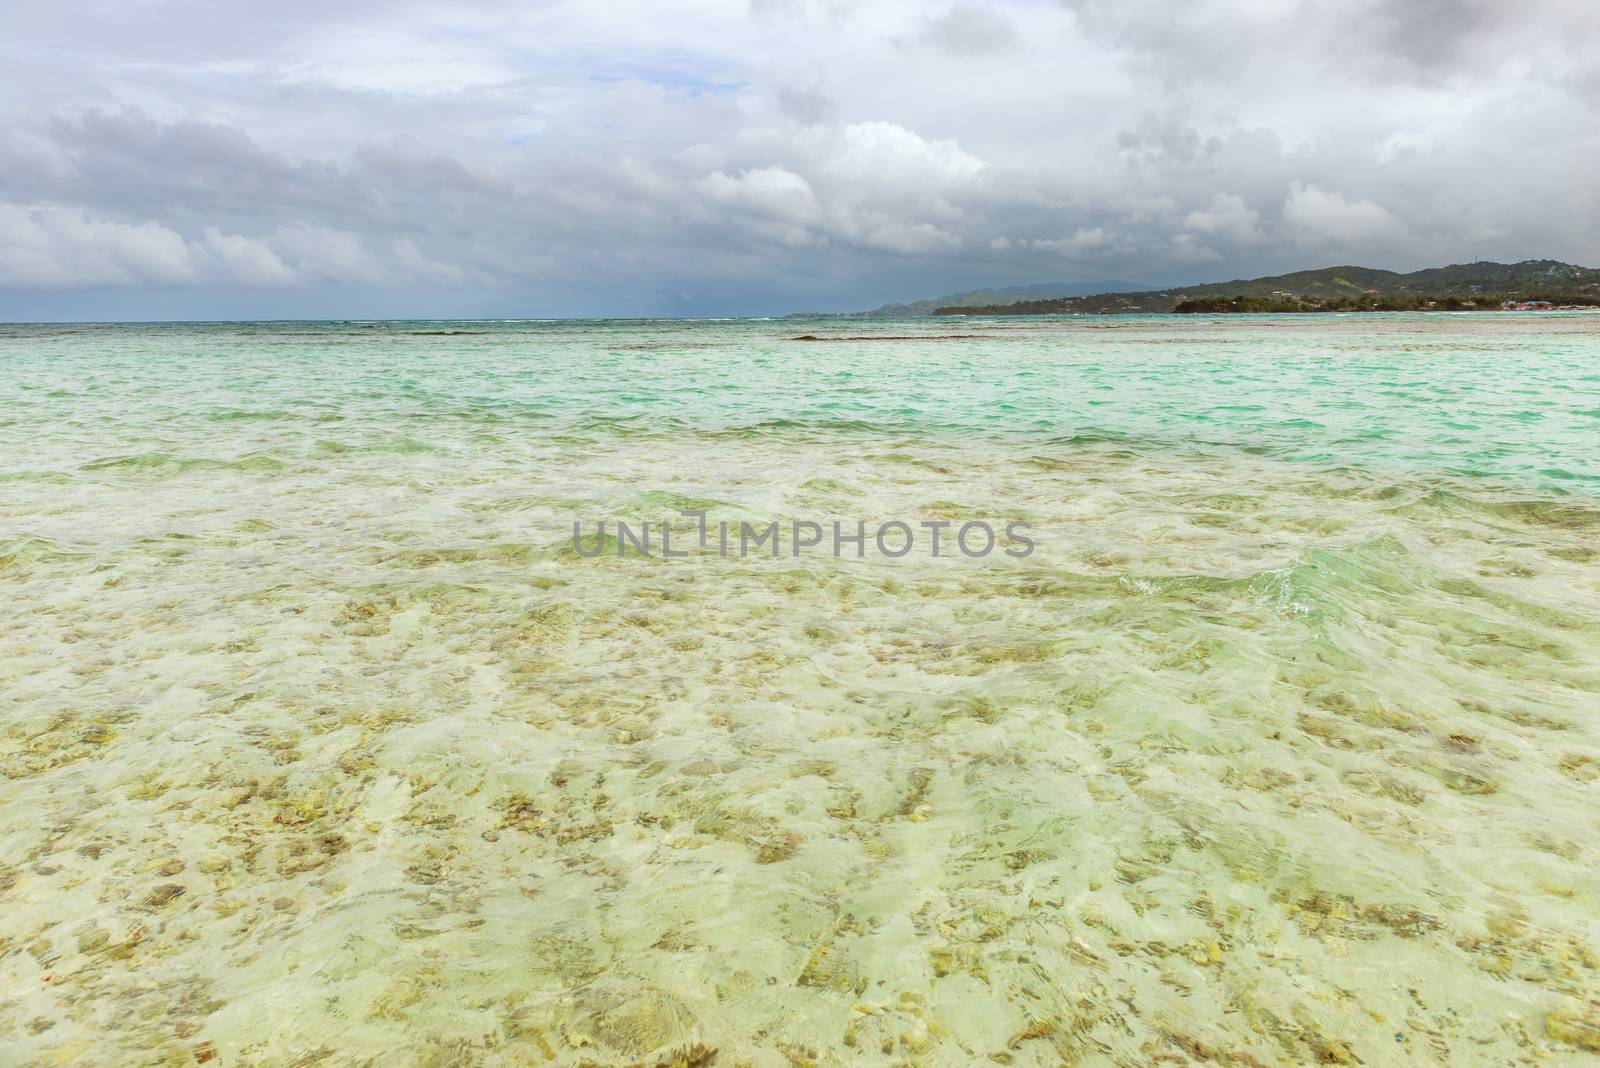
(1462, 286)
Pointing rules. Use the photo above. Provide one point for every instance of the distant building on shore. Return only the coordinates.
(1527, 305)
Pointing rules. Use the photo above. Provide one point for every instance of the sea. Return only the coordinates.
(341, 725)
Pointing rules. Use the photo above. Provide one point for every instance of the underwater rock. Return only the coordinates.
(1576, 1025)
(164, 895)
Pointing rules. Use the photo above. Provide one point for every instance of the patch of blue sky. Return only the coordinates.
(679, 73)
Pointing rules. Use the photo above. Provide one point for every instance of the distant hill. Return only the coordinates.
(989, 298)
(1462, 285)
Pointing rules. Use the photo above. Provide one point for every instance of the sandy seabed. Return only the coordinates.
(326, 748)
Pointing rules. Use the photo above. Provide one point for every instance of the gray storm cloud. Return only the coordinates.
(560, 157)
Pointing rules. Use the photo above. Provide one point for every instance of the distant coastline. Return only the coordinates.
(1444, 302)
(1481, 286)
(1246, 305)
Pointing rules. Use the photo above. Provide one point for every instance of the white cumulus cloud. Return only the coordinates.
(1228, 217)
(1317, 216)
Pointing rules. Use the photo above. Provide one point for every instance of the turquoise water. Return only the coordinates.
(319, 743)
(1465, 394)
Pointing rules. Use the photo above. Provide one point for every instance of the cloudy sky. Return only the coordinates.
(180, 158)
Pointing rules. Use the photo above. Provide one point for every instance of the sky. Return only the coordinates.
(183, 159)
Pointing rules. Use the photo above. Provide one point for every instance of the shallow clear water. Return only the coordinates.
(320, 744)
